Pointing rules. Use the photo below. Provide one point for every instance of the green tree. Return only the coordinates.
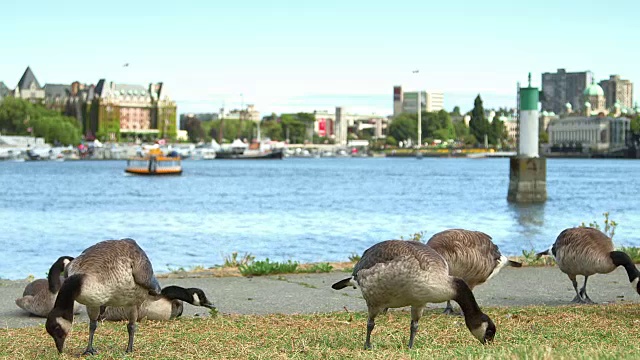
(438, 125)
(294, 128)
(404, 127)
(272, 129)
(497, 131)
(543, 137)
(20, 117)
(461, 129)
(456, 111)
(478, 125)
(195, 132)
(635, 124)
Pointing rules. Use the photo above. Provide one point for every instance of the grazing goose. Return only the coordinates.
(40, 295)
(397, 273)
(586, 251)
(471, 256)
(109, 273)
(168, 305)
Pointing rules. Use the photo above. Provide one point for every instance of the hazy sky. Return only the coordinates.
(289, 56)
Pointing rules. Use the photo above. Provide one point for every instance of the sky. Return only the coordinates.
(291, 56)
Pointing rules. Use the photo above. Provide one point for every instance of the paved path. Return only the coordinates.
(290, 294)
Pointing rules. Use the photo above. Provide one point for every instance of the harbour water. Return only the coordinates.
(306, 210)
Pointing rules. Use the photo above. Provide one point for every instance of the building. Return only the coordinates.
(248, 113)
(407, 102)
(29, 88)
(595, 101)
(117, 110)
(56, 96)
(324, 124)
(618, 91)
(4, 90)
(340, 124)
(546, 117)
(599, 134)
(564, 87)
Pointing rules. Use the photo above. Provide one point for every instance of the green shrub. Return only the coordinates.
(354, 257)
(415, 237)
(609, 225)
(233, 261)
(266, 267)
(632, 251)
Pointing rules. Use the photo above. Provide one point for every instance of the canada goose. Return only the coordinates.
(586, 251)
(40, 295)
(109, 273)
(168, 305)
(397, 273)
(471, 256)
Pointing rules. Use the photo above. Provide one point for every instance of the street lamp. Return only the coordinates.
(419, 97)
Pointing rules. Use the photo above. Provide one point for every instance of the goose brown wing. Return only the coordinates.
(390, 250)
(142, 269)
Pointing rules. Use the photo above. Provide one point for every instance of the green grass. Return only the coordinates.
(317, 268)
(233, 260)
(564, 332)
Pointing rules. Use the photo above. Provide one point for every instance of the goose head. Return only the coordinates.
(199, 298)
(58, 327)
(484, 330)
(193, 296)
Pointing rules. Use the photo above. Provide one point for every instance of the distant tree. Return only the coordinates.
(194, 130)
(497, 131)
(461, 129)
(438, 125)
(543, 137)
(404, 127)
(456, 111)
(478, 125)
(20, 117)
(295, 127)
(635, 124)
(272, 129)
(390, 140)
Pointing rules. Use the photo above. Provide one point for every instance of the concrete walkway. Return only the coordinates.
(291, 294)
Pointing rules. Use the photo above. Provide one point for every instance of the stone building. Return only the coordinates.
(56, 96)
(598, 134)
(618, 91)
(117, 110)
(29, 88)
(595, 101)
(564, 87)
(4, 90)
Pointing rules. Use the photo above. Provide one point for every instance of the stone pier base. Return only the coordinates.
(527, 180)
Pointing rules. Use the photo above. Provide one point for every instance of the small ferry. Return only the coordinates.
(154, 163)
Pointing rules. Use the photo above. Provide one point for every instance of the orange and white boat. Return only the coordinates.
(154, 163)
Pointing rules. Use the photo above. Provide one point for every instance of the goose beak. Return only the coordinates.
(59, 344)
(209, 305)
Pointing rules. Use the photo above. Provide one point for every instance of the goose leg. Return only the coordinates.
(131, 327)
(371, 323)
(93, 325)
(578, 298)
(583, 292)
(416, 313)
(448, 310)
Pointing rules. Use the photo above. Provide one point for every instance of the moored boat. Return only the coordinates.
(154, 163)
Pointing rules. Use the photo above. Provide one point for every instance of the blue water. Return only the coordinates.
(300, 209)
